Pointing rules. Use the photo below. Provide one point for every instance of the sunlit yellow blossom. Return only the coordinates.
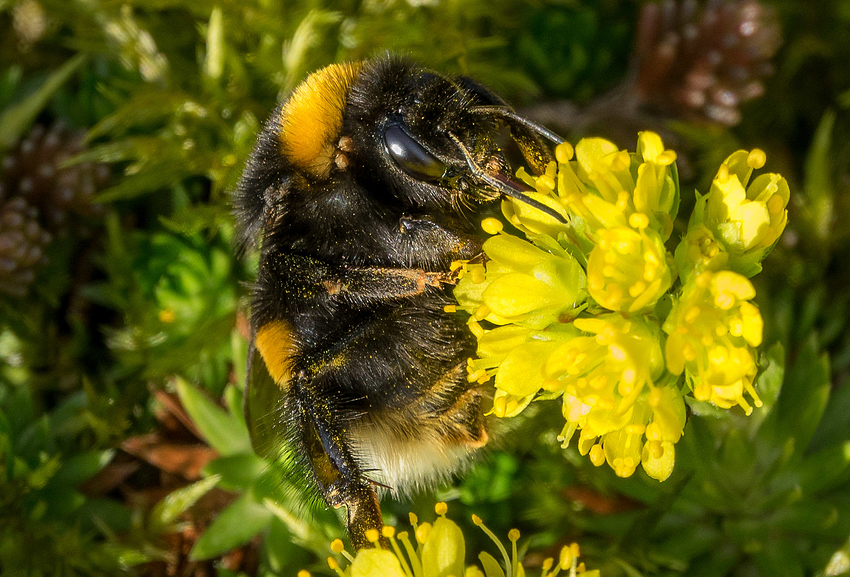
(605, 186)
(376, 562)
(712, 329)
(747, 219)
(628, 271)
(606, 381)
(609, 369)
(577, 309)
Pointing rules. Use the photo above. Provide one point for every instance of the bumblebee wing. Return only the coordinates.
(265, 412)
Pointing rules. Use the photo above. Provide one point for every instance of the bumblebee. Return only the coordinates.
(360, 193)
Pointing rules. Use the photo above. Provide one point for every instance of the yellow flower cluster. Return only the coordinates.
(438, 549)
(597, 310)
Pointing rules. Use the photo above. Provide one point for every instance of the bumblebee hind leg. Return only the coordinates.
(279, 413)
(338, 475)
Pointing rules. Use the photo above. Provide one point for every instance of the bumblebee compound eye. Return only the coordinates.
(411, 156)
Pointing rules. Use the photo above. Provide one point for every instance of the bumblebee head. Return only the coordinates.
(433, 140)
(427, 141)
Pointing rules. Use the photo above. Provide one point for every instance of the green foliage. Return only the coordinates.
(268, 501)
(45, 459)
(173, 92)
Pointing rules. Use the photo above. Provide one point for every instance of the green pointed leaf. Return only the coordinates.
(282, 552)
(736, 458)
(819, 190)
(82, 467)
(16, 119)
(237, 471)
(233, 400)
(805, 517)
(779, 559)
(835, 423)
(224, 433)
(801, 402)
(768, 384)
(174, 504)
(234, 526)
(828, 468)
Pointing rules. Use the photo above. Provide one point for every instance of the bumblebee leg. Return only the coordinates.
(375, 283)
(337, 474)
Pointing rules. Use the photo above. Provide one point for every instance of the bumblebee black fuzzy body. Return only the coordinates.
(359, 193)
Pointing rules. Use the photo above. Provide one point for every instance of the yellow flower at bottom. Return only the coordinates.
(609, 395)
(441, 553)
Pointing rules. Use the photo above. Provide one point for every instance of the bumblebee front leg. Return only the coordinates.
(337, 474)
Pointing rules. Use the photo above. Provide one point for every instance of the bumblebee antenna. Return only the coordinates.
(505, 112)
(505, 186)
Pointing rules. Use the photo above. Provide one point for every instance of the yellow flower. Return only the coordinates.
(747, 219)
(608, 394)
(375, 563)
(441, 553)
(606, 187)
(521, 283)
(712, 328)
(657, 186)
(628, 271)
(623, 396)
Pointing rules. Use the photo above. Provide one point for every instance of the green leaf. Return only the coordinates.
(82, 467)
(234, 526)
(282, 552)
(768, 384)
(237, 471)
(805, 517)
(214, 59)
(779, 559)
(819, 190)
(16, 119)
(233, 399)
(103, 512)
(166, 511)
(736, 458)
(825, 469)
(835, 423)
(802, 400)
(225, 434)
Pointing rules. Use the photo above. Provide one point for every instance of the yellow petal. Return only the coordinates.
(658, 459)
(521, 373)
(444, 551)
(376, 563)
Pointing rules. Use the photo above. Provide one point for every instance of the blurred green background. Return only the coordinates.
(125, 125)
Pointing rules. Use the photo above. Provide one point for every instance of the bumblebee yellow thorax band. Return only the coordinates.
(311, 119)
